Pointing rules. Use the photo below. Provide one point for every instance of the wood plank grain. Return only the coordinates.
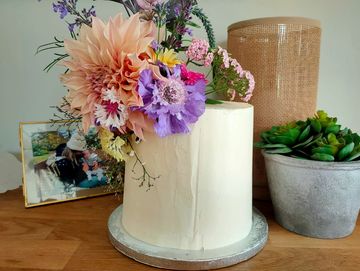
(97, 208)
(103, 257)
(301, 259)
(17, 228)
(37, 254)
(73, 237)
(91, 232)
(282, 238)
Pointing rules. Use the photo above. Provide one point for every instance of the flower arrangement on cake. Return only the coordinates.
(137, 81)
(130, 76)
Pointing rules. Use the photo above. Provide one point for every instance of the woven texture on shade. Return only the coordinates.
(283, 55)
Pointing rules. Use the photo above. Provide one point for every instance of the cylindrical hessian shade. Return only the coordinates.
(283, 55)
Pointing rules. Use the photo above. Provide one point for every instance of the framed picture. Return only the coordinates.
(60, 163)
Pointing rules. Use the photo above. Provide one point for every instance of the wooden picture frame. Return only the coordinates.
(51, 176)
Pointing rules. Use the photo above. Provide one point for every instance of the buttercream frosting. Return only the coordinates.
(203, 196)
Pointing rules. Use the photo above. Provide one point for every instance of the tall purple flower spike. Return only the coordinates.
(66, 7)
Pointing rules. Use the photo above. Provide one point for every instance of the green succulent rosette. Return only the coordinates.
(319, 138)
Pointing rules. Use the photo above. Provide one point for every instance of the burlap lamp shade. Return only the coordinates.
(283, 55)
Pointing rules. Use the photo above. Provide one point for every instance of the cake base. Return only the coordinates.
(178, 259)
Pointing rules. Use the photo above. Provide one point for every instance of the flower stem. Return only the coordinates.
(211, 91)
(207, 75)
(145, 176)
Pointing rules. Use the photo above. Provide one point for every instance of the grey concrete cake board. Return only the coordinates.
(178, 259)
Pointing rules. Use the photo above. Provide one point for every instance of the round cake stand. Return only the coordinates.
(179, 259)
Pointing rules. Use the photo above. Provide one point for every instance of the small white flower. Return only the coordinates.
(111, 96)
(111, 115)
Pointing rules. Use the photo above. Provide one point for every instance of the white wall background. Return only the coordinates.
(26, 91)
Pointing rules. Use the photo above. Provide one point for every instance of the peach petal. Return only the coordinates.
(105, 56)
(138, 123)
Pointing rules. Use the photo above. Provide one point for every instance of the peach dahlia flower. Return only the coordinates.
(109, 56)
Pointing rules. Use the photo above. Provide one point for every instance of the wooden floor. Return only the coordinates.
(73, 236)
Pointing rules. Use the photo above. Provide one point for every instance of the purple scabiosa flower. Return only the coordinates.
(171, 103)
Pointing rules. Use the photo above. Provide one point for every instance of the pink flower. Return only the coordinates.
(197, 50)
(225, 56)
(208, 59)
(190, 77)
(232, 93)
(251, 88)
(148, 4)
(229, 63)
(236, 65)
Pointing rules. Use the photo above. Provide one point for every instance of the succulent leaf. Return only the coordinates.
(328, 149)
(353, 157)
(323, 157)
(305, 133)
(331, 138)
(302, 144)
(325, 120)
(343, 132)
(301, 123)
(345, 151)
(274, 146)
(286, 140)
(259, 145)
(298, 157)
(316, 139)
(264, 136)
(356, 138)
(348, 139)
(316, 125)
(334, 129)
(279, 150)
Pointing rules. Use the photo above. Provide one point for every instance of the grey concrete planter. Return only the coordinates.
(316, 199)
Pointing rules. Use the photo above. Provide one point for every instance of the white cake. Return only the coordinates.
(203, 198)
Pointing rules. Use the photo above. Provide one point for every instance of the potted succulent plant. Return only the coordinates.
(313, 168)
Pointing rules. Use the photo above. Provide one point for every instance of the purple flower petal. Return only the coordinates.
(172, 104)
(178, 126)
(163, 125)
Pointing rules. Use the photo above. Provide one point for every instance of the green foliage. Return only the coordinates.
(92, 139)
(114, 172)
(319, 138)
(177, 24)
(207, 25)
(44, 143)
(211, 101)
(58, 56)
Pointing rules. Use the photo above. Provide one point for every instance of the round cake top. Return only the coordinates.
(227, 105)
